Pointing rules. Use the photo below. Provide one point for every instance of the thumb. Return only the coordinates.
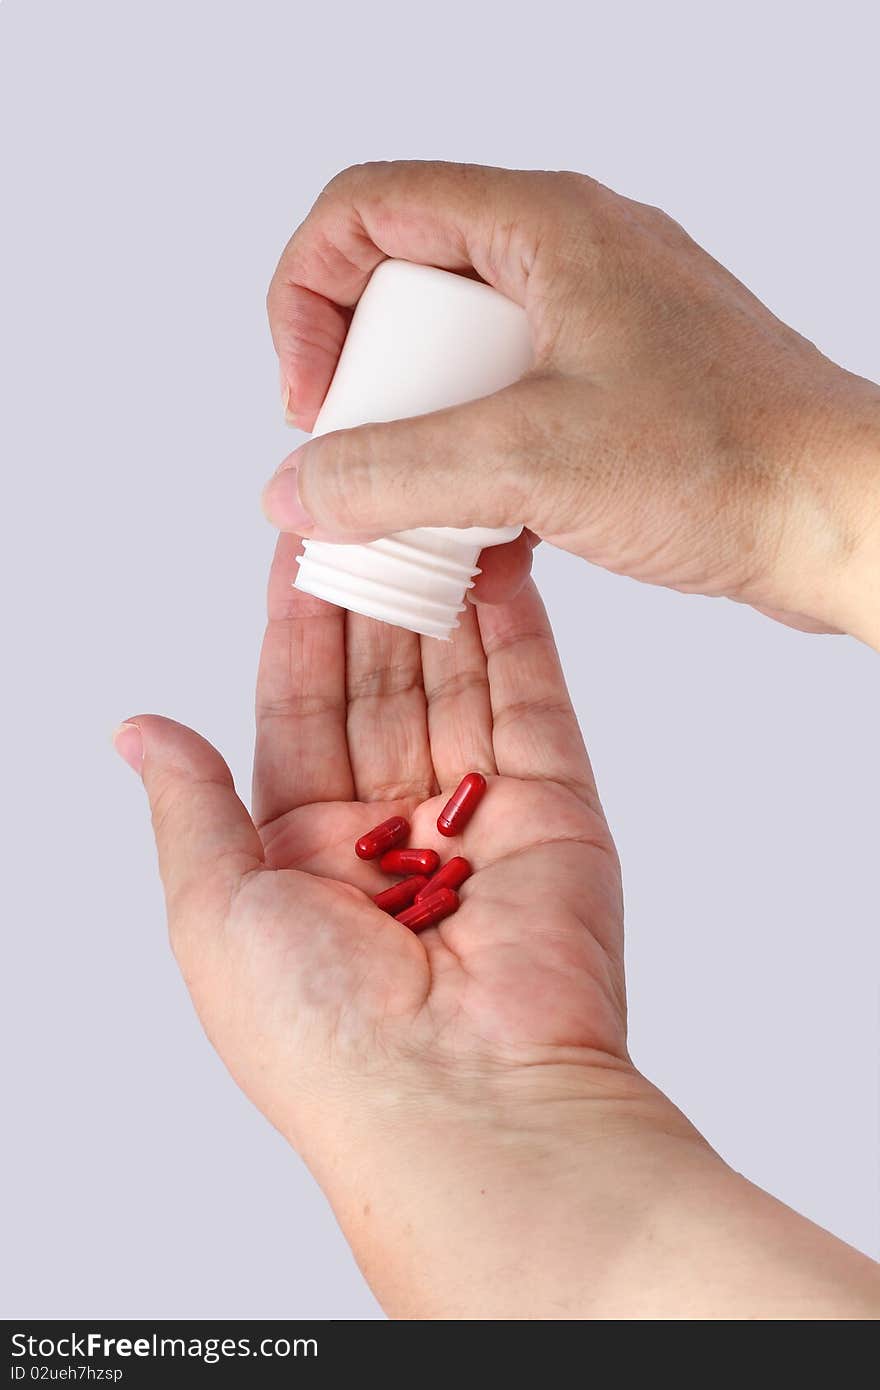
(471, 465)
(206, 840)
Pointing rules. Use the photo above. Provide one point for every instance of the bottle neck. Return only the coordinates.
(414, 579)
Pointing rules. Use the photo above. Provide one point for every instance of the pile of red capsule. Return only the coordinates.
(427, 893)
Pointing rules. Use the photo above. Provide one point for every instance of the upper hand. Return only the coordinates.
(672, 429)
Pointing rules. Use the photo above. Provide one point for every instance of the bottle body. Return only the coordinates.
(421, 339)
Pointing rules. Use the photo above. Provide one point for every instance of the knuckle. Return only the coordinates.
(579, 186)
(191, 905)
(182, 907)
(337, 483)
(163, 806)
(179, 932)
(512, 442)
(353, 179)
(540, 459)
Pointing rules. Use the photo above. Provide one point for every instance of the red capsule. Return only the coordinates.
(430, 910)
(452, 875)
(401, 894)
(382, 837)
(410, 861)
(462, 804)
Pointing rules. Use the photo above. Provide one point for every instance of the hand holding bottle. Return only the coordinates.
(671, 429)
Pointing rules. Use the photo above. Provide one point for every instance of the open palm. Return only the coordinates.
(304, 986)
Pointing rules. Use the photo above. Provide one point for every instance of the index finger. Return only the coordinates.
(456, 216)
(301, 752)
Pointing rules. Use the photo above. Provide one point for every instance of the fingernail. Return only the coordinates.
(287, 409)
(281, 501)
(129, 744)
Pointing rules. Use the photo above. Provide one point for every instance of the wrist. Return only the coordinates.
(831, 557)
(557, 1092)
(569, 1192)
(857, 597)
(443, 1186)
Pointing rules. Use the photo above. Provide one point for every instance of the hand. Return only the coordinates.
(302, 983)
(338, 1022)
(672, 429)
(464, 1096)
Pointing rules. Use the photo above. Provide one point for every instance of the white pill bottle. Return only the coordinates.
(421, 339)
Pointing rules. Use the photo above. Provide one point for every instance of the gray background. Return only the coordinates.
(155, 159)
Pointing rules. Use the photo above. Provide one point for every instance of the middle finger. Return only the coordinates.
(386, 722)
